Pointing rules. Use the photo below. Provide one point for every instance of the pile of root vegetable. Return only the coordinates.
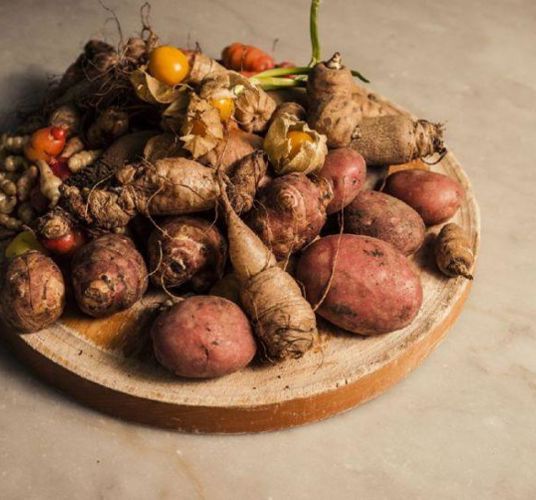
(238, 187)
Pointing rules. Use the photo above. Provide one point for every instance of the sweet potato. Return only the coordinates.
(203, 337)
(186, 249)
(290, 212)
(346, 170)
(387, 218)
(373, 287)
(434, 196)
(32, 296)
(108, 275)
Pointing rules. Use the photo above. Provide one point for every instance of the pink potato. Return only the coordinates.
(434, 196)
(374, 288)
(387, 218)
(346, 170)
(203, 337)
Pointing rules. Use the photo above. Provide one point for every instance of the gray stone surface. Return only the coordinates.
(461, 426)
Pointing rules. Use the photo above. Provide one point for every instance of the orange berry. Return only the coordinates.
(225, 107)
(297, 139)
(169, 65)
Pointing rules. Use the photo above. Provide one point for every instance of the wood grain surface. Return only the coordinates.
(108, 364)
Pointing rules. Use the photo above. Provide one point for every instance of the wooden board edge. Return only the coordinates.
(235, 420)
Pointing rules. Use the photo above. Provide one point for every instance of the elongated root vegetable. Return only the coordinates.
(282, 319)
(290, 212)
(170, 186)
(453, 252)
(48, 183)
(246, 58)
(332, 111)
(108, 275)
(184, 249)
(32, 296)
(349, 118)
(390, 140)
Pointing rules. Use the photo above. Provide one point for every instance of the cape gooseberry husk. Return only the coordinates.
(202, 129)
(310, 156)
(151, 90)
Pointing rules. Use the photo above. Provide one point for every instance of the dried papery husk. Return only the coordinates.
(202, 128)
(253, 106)
(216, 86)
(235, 145)
(308, 159)
(174, 116)
(151, 90)
(201, 66)
(289, 108)
(163, 146)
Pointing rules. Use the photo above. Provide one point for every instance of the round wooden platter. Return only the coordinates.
(107, 364)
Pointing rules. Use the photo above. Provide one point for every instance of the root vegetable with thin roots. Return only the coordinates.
(32, 296)
(108, 275)
(282, 319)
(290, 212)
(453, 252)
(186, 249)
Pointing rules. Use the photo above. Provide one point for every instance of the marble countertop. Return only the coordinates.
(461, 426)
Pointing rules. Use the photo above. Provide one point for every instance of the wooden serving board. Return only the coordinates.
(108, 364)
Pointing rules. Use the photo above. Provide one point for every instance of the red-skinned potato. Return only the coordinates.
(203, 337)
(374, 287)
(434, 196)
(108, 275)
(186, 249)
(387, 218)
(32, 296)
(345, 168)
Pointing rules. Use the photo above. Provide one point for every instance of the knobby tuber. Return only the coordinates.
(32, 296)
(453, 252)
(290, 212)
(184, 249)
(108, 275)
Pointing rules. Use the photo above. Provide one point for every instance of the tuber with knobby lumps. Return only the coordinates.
(108, 275)
(32, 295)
(453, 252)
(290, 212)
(282, 319)
(184, 249)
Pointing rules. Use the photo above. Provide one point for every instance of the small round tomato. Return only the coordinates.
(224, 106)
(45, 143)
(66, 245)
(169, 65)
(22, 243)
(296, 139)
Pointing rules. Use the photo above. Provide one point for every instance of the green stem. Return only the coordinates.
(360, 76)
(313, 31)
(277, 83)
(300, 70)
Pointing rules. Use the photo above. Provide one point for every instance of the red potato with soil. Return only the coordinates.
(290, 212)
(185, 249)
(32, 296)
(203, 337)
(374, 288)
(434, 196)
(108, 275)
(346, 170)
(387, 218)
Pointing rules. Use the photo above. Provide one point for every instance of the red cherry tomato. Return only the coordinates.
(66, 245)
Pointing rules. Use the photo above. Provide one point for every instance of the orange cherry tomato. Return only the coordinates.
(45, 143)
(297, 139)
(225, 107)
(169, 65)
